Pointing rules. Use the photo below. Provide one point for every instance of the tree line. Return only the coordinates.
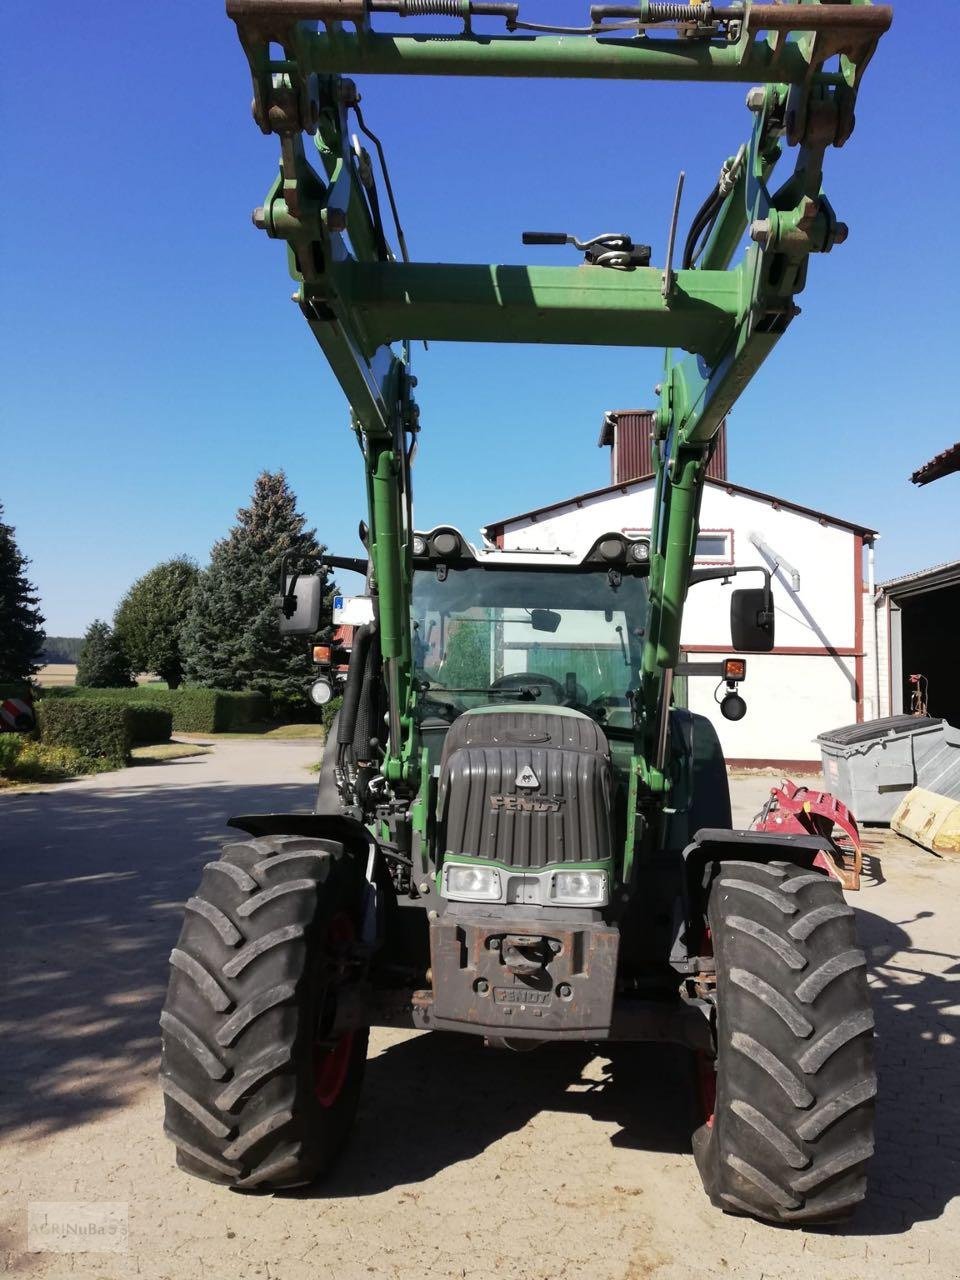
(215, 626)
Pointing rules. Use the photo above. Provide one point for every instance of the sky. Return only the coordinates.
(152, 364)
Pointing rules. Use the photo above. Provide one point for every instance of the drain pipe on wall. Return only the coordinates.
(872, 592)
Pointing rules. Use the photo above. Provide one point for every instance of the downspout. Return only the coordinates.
(871, 592)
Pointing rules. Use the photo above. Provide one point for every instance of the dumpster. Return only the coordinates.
(872, 766)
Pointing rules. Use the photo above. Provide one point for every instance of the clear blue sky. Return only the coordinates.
(152, 363)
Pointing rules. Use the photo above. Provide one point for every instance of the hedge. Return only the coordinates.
(93, 726)
(148, 724)
(194, 709)
(98, 727)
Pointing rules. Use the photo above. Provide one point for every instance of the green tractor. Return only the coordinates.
(519, 834)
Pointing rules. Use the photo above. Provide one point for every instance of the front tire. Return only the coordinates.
(258, 1092)
(792, 1128)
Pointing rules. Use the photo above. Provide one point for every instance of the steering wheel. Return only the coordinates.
(523, 679)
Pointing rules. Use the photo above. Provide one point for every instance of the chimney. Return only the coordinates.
(629, 434)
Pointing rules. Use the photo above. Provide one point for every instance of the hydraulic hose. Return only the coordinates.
(701, 220)
(369, 717)
(347, 723)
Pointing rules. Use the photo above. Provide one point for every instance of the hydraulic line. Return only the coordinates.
(401, 240)
(369, 717)
(347, 722)
(702, 220)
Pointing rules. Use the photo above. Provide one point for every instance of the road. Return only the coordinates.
(465, 1162)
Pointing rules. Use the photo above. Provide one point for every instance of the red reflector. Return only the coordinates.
(734, 668)
(321, 653)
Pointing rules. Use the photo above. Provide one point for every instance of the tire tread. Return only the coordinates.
(792, 1130)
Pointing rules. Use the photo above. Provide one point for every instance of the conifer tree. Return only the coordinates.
(231, 637)
(102, 663)
(21, 622)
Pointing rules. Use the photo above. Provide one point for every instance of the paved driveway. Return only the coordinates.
(465, 1162)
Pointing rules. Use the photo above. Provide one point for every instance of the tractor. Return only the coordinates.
(519, 834)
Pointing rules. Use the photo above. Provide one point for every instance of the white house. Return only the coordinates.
(814, 678)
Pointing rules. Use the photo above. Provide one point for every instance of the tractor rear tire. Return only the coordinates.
(792, 1128)
(257, 1093)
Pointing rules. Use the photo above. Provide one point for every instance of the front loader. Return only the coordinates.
(518, 834)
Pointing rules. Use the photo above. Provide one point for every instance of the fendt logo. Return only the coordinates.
(526, 804)
(520, 995)
(527, 778)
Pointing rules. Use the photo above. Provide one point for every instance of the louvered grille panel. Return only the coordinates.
(566, 818)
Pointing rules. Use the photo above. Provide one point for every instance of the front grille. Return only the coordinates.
(566, 818)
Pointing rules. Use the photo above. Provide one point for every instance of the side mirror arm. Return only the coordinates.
(726, 572)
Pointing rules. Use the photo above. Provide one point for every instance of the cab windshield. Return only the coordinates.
(551, 637)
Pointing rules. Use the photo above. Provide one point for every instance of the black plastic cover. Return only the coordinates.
(563, 816)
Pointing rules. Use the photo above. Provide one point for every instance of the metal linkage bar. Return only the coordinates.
(581, 305)
(752, 48)
(550, 57)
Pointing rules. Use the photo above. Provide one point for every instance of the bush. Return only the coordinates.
(39, 763)
(10, 745)
(328, 712)
(194, 709)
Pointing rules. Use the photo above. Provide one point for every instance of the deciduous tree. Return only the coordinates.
(150, 618)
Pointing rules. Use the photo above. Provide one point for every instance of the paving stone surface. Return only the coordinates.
(464, 1163)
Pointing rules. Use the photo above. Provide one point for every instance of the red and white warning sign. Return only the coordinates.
(16, 714)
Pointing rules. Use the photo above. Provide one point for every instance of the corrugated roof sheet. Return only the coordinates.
(944, 464)
(946, 571)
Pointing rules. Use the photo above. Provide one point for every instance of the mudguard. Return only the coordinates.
(703, 857)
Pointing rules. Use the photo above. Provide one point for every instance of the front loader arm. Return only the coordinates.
(718, 320)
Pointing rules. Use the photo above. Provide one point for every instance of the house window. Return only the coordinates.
(714, 546)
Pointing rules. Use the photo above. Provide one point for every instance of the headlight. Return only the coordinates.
(469, 883)
(578, 888)
(419, 545)
(321, 692)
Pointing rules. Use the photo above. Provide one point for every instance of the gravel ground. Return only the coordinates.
(465, 1162)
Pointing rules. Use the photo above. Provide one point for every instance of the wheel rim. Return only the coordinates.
(706, 1065)
(331, 1063)
(706, 1087)
(330, 1067)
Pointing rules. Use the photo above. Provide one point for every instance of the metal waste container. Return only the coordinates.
(871, 766)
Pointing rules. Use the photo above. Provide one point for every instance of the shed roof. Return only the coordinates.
(922, 580)
(496, 527)
(944, 464)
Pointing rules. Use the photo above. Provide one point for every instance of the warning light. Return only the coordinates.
(734, 668)
(321, 653)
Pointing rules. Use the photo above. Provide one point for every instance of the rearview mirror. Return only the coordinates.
(544, 619)
(751, 620)
(300, 605)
